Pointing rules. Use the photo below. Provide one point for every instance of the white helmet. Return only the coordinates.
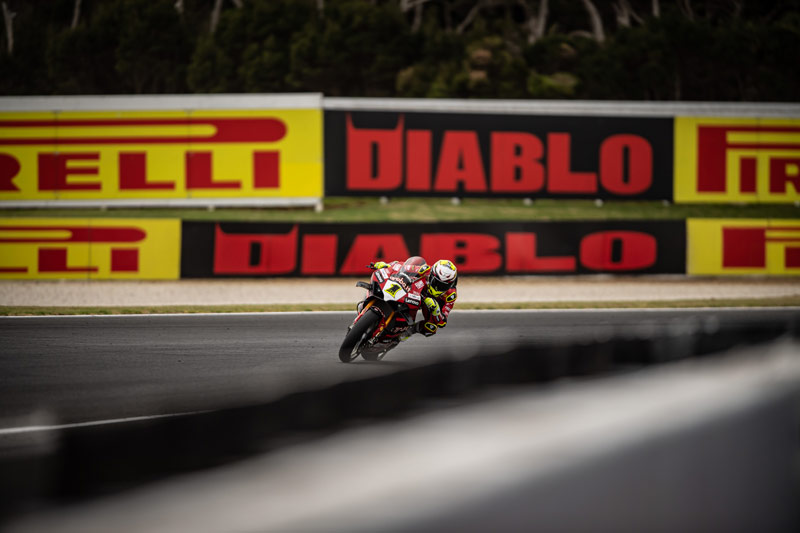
(443, 277)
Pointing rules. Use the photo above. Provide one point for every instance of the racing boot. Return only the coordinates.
(426, 328)
(407, 333)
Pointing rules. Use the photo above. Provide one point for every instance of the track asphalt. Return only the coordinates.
(471, 289)
(63, 370)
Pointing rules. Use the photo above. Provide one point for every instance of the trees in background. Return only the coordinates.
(732, 50)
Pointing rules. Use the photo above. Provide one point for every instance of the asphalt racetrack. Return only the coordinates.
(704, 443)
(68, 370)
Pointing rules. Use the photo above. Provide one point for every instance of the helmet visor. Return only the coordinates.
(438, 286)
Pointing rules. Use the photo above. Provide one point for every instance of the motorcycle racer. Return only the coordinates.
(439, 294)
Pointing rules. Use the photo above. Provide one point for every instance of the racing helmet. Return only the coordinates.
(444, 275)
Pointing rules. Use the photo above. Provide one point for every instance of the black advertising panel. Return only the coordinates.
(244, 249)
(497, 155)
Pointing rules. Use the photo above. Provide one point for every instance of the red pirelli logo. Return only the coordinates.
(744, 247)
(114, 248)
(176, 154)
(143, 131)
(726, 160)
(67, 168)
(53, 259)
(715, 143)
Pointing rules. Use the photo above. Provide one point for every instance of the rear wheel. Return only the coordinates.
(354, 340)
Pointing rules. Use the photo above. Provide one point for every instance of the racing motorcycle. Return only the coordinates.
(387, 314)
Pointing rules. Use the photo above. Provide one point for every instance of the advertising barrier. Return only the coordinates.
(726, 160)
(279, 150)
(165, 156)
(264, 249)
(374, 153)
(743, 247)
(113, 248)
(101, 248)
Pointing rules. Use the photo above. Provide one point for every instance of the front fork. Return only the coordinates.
(384, 320)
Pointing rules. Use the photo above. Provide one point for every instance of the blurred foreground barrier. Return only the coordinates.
(79, 463)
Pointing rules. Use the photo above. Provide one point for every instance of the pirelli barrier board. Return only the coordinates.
(371, 153)
(62, 248)
(743, 247)
(737, 160)
(160, 155)
(100, 248)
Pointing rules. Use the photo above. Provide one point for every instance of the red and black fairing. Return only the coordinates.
(395, 293)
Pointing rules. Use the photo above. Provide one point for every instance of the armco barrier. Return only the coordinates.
(82, 462)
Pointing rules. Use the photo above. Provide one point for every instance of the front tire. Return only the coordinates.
(354, 340)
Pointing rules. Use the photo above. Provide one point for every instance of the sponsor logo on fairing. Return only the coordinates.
(413, 299)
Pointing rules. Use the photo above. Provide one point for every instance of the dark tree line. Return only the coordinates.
(723, 50)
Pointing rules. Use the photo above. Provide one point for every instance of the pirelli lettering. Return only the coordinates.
(737, 160)
(135, 155)
(743, 246)
(43, 248)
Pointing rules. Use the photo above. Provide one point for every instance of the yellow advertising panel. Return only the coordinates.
(743, 247)
(737, 160)
(135, 155)
(98, 248)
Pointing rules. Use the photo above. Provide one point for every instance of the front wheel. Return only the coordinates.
(354, 340)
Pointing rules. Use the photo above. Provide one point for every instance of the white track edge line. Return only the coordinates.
(566, 310)
(56, 427)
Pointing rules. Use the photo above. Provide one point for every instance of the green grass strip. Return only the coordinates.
(362, 210)
(788, 301)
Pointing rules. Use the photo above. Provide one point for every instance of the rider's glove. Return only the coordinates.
(378, 265)
(436, 316)
(433, 306)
